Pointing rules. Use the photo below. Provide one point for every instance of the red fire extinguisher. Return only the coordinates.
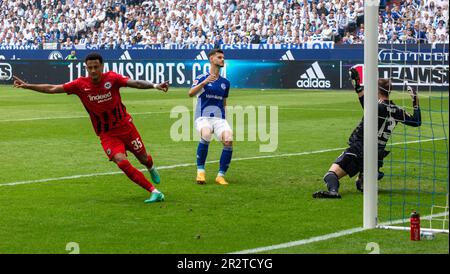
(415, 226)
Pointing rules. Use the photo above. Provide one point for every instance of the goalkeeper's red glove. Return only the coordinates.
(354, 77)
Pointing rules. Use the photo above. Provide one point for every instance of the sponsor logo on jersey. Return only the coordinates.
(212, 96)
(313, 78)
(100, 98)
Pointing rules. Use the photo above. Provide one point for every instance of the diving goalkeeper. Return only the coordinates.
(350, 162)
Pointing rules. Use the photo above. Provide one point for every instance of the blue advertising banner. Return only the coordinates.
(387, 54)
(186, 54)
(241, 73)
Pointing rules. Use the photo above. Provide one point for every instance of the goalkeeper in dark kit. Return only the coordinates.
(350, 162)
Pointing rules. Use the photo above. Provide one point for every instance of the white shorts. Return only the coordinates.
(217, 125)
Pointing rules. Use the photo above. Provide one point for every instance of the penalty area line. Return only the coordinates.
(194, 164)
(165, 167)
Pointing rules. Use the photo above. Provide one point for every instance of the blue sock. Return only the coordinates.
(202, 152)
(225, 159)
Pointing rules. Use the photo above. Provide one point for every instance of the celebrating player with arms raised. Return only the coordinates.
(99, 93)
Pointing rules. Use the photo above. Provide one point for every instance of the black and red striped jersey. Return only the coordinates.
(102, 101)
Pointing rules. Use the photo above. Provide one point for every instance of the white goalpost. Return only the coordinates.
(418, 165)
(370, 113)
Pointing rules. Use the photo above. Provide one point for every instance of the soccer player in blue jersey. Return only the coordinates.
(212, 90)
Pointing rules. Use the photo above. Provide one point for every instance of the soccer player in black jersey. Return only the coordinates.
(350, 162)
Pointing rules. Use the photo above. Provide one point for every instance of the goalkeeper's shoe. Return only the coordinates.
(201, 178)
(220, 180)
(326, 195)
(155, 175)
(155, 197)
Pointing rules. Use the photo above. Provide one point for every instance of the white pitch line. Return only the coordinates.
(137, 113)
(321, 109)
(193, 164)
(87, 175)
(300, 242)
(324, 237)
(163, 167)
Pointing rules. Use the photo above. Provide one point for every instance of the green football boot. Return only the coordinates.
(155, 197)
(155, 175)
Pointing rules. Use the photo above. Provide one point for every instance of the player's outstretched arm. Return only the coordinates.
(414, 120)
(139, 84)
(355, 79)
(44, 88)
(415, 98)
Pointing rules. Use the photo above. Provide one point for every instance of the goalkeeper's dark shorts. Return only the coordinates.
(351, 161)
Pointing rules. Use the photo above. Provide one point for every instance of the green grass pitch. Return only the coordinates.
(268, 201)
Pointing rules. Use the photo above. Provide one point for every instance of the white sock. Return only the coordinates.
(220, 174)
(155, 191)
(200, 170)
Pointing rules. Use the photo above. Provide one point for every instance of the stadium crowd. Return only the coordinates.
(111, 24)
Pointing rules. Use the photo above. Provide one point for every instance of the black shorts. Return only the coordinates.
(351, 161)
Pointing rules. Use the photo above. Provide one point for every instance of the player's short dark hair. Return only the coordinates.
(214, 51)
(384, 86)
(94, 56)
